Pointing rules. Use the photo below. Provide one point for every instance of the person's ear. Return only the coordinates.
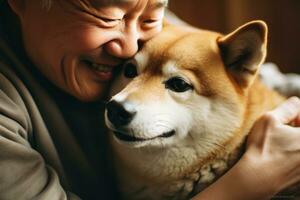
(17, 6)
(244, 50)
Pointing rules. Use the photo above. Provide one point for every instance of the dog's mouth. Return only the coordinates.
(130, 138)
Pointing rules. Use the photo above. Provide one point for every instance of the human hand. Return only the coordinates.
(274, 145)
(271, 162)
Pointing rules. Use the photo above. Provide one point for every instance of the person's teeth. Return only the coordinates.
(102, 68)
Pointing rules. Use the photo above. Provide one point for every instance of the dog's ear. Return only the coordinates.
(244, 50)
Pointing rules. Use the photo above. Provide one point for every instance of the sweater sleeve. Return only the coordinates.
(23, 171)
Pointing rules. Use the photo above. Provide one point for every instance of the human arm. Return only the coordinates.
(23, 172)
(271, 162)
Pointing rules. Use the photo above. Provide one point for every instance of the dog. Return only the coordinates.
(189, 99)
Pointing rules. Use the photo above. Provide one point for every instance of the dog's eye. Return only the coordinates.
(130, 70)
(177, 84)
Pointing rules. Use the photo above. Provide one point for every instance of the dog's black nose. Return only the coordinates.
(117, 114)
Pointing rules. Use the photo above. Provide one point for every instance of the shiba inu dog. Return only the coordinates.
(190, 100)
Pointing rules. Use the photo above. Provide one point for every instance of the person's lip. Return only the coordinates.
(103, 71)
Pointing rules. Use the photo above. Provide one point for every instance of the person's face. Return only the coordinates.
(77, 44)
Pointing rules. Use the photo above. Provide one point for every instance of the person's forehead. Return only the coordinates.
(156, 3)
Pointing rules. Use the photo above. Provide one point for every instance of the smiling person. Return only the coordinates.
(57, 60)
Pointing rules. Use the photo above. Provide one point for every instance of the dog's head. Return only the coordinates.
(187, 85)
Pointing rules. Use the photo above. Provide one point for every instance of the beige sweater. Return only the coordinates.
(39, 156)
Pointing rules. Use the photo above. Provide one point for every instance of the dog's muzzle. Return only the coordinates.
(130, 138)
(118, 115)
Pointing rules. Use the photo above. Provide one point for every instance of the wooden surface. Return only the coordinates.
(282, 17)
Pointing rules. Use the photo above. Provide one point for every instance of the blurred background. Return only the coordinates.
(282, 17)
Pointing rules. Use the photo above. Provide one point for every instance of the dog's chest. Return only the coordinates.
(195, 182)
(188, 184)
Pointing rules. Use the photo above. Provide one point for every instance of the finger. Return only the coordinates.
(289, 138)
(287, 111)
(297, 121)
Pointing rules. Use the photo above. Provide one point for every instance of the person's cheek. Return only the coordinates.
(89, 39)
(151, 33)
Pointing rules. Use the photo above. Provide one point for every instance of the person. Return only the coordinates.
(57, 60)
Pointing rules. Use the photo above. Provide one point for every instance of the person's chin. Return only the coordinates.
(92, 94)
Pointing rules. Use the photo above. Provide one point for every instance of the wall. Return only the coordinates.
(282, 17)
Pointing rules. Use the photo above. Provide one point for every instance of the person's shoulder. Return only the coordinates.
(8, 79)
(8, 76)
(10, 65)
(12, 90)
(15, 120)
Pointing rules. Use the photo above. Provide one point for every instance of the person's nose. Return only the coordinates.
(125, 45)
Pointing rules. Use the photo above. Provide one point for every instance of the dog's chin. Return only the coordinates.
(138, 142)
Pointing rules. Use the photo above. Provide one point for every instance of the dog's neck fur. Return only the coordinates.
(138, 169)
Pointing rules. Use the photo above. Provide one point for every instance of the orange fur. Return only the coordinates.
(223, 71)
